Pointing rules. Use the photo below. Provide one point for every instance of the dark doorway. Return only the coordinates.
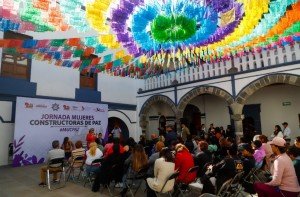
(112, 121)
(251, 122)
(192, 117)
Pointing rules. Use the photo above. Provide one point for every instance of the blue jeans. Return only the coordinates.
(91, 169)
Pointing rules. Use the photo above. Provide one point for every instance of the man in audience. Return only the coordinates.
(170, 136)
(55, 153)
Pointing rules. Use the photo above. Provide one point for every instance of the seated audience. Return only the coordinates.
(259, 153)
(171, 135)
(227, 168)
(284, 180)
(268, 150)
(189, 144)
(108, 149)
(202, 158)
(158, 147)
(67, 146)
(183, 162)
(248, 164)
(93, 153)
(78, 152)
(295, 157)
(55, 153)
(137, 161)
(111, 169)
(163, 169)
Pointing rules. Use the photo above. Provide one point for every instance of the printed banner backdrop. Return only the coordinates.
(40, 121)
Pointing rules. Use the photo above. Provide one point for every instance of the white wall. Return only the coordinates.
(118, 89)
(54, 81)
(157, 110)
(130, 123)
(215, 109)
(6, 131)
(272, 110)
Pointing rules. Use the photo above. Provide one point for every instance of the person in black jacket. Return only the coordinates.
(227, 168)
(248, 163)
(112, 168)
(202, 158)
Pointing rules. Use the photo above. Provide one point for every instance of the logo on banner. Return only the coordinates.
(66, 107)
(41, 106)
(75, 108)
(28, 105)
(55, 107)
(99, 110)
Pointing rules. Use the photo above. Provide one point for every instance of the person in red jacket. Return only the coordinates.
(90, 137)
(183, 162)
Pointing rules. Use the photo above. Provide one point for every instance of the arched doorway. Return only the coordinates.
(112, 121)
(277, 96)
(192, 116)
(155, 113)
(212, 103)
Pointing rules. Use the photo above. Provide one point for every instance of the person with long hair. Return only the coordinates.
(137, 161)
(284, 180)
(67, 146)
(164, 167)
(277, 132)
(93, 153)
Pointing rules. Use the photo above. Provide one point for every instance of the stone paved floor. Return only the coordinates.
(23, 182)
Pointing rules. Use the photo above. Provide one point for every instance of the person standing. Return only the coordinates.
(116, 132)
(185, 132)
(286, 131)
(170, 136)
(90, 137)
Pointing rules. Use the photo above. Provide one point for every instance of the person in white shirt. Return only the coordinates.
(92, 154)
(277, 132)
(286, 131)
(116, 132)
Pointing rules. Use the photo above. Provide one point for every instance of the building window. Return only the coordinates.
(262, 63)
(268, 53)
(269, 62)
(283, 50)
(240, 60)
(88, 79)
(276, 52)
(294, 57)
(292, 48)
(13, 64)
(276, 60)
(284, 59)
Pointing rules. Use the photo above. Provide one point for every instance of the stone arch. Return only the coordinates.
(264, 81)
(149, 103)
(202, 90)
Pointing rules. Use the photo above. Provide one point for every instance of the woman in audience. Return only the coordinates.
(78, 152)
(93, 153)
(90, 137)
(67, 146)
(268, 150)
(259, 153)
(163, 169)
(284, 180)
(111, 169)
(183, 162)
(158, 147)
(277, 132)
(202, 158)
(137, 161)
